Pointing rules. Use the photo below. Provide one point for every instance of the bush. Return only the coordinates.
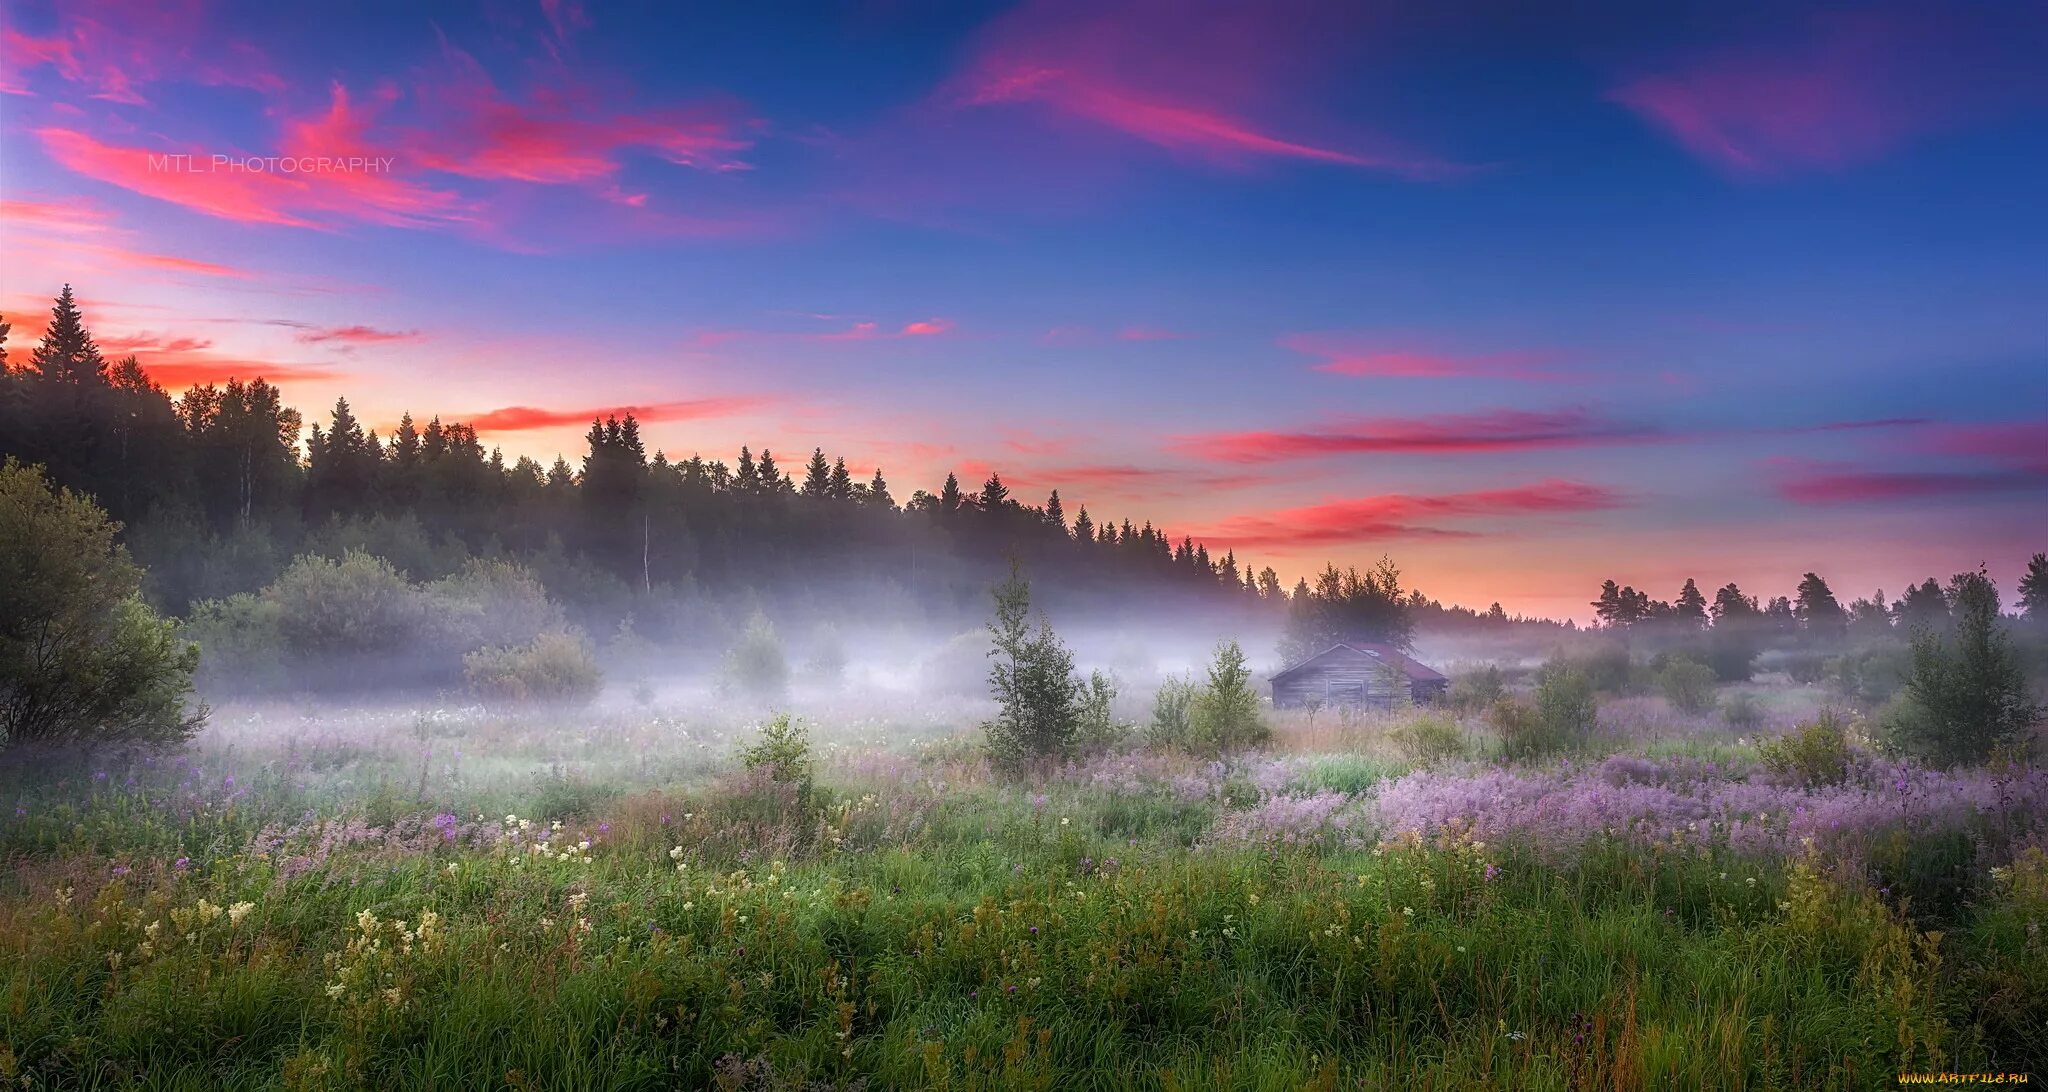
(1607, 668)
(555, 667)
(1099, 729)
(1032, 680)
(1804, 667)
(1173, 706)
(782, 753)
(82, 657)
(1731, 651)
(1812, 754)
(1968, 693)
(1687, 685)
(1870, 675)
(1429, 739)
(330, 610)
(1225, 717)
(1476, 690)
(241, 645)
(1560, 719)
(1742, 711)
(755, 666)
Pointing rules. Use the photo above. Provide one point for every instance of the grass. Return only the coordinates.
(928, 926)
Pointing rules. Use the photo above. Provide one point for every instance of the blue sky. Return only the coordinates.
(1525, 299)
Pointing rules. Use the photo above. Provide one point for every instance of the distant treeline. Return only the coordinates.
(218, 496)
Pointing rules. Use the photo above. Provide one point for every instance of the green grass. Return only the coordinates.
(938, 930)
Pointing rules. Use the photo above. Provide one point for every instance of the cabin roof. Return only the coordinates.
(1416, 672)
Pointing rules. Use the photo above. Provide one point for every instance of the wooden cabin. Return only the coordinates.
(1358, 674)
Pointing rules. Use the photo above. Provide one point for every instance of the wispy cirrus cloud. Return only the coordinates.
(86, 234)
(1845, 88)
(1215, 90)
(1407, 515)
(115, 52)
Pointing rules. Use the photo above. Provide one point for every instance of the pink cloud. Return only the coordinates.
(1849, 89)
(1397, 515)
(1367, 356)
(114, 51)
(519, 418)
(1470, 433)
(1823, 486)
(562, 133)
(1215, 89)
(85, 234)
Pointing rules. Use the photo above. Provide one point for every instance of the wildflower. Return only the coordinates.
(1064, 820)
(451, 868)
(182, 863)
(239, 911)
(1407, 911)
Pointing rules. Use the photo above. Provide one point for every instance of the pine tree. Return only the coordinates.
(1923, 608)
(1968, 692)
(1731, 606)
(1818, 611)
(68, 357)
(1054, 514)
(878, 492)
(2034, 590)
(773, 481)
(1692, 606)
(995, 496)
(1032, 680)
(746, 479)
(1084, 528)
(817, 476)
(840, 486)
(949, 494)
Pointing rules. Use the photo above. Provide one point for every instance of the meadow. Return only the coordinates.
(315, 897)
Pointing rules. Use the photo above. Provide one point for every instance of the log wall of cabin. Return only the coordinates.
(1374, 680)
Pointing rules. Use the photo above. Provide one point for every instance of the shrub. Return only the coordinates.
(355, 606)
(1968, 690)
(1559, 720)
(1225, 717)
(1476, 690)
(755, 665)
(1731, 651)
(1812, 754)
(491, 602)
(827, 662)
(82, 657)
(1521, 732)
(1870, 675)
(555, 667)
(1099, 729)
(1742, 711)
(1687, 684)
(1608, 669)
(1804, 667)
(241, 646)
(1032, 681)
(782, 753)
(1429, 739)
(1172, 723)
(1564, 699)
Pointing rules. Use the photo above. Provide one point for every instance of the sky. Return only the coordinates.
(1524, 296)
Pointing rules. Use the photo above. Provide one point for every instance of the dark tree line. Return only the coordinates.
(218, 496)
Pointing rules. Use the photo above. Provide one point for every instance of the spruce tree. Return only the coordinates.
(1084, 528)
(995, 496)
(949, 494)
(2034, 590)
(817, 476)
(1054, 514)
(878, 492)
(840, 486)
